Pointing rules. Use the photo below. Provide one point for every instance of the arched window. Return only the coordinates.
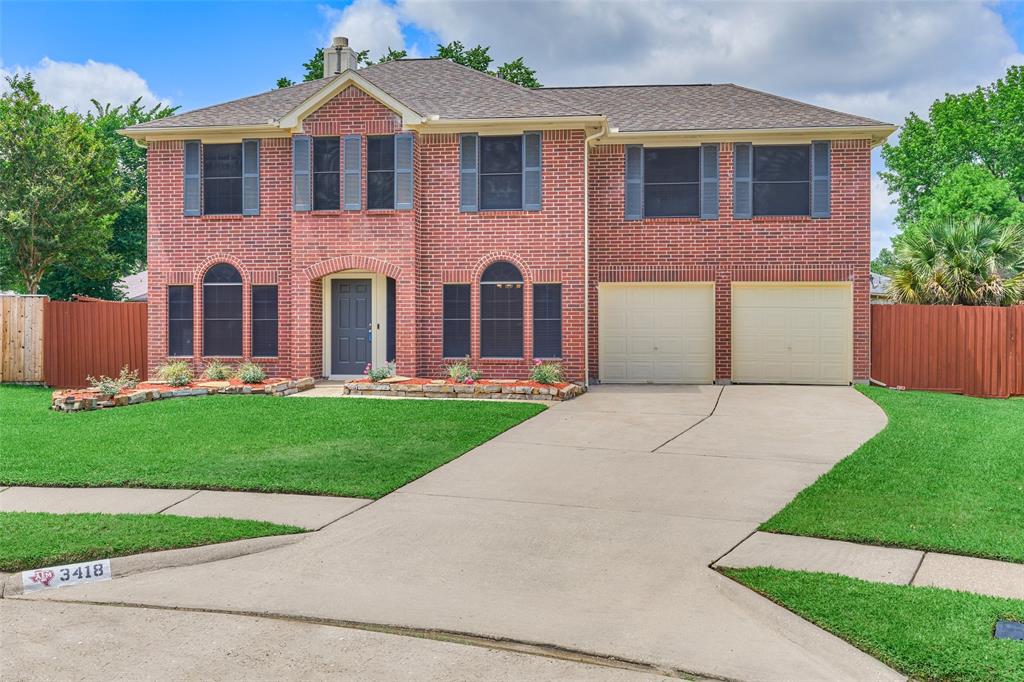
(222, 311)
(501, 311)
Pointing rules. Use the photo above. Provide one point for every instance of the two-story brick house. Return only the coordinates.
(420, 211)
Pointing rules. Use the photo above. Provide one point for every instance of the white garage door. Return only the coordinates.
(656, 333)
(792, 333)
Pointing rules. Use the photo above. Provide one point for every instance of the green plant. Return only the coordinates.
(127, 379)
(960, 262)
(218, 371)
(546, 372)
(460, 372)
(379, 373)
(251, 373)
(176, 373)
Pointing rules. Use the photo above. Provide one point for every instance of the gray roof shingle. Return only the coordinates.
(637, 108)
(452, 91)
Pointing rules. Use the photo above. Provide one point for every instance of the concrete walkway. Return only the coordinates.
(589, 528)
(879, 564)
(311, 512)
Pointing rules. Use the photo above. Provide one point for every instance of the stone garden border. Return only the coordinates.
(509, 389)
(82, 399)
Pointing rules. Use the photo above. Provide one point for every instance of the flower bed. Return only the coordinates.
(502, 389)
(79, 399)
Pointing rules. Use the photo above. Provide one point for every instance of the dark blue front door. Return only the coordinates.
(350, 325)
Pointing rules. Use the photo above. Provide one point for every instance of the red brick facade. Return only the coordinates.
(435, 244)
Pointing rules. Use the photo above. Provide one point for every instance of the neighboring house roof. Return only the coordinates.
(880, 284)
(439, 90)
(136, 286)
(642, 108)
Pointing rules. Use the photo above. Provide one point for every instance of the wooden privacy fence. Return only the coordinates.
(91, 336)
(976, 351)
(21, 339)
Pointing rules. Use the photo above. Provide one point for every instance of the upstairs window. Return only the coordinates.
(380, 171)
(326, 173)
(222, 312)
(501, 173)
(222, 179)
(782, 180)
(671, 181)
(501, 311)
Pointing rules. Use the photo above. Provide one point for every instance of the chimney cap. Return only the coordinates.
(339, 41)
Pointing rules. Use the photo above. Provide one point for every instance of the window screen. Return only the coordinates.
(501, 172)
(455, 339)
(326, 173)
(380, 171)
(222, 178)
(782, 180)
(501, 312)
(672, 181)
(264, 321)
(547, 320)
(179, 321)
(222, 312)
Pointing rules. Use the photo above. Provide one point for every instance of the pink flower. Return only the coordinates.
(537, 362)
(470, 380)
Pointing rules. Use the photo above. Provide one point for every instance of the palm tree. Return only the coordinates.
(973, 262)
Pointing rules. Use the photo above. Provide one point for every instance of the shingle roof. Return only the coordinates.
(452, 91)
(637, 108)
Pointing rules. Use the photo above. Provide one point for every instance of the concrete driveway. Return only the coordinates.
(589, 527)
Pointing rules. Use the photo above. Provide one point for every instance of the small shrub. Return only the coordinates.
(251, 373)
(461, 372)
(177, 373)
(127, 379)
(218, 371)
(546, 372)
(379, 373)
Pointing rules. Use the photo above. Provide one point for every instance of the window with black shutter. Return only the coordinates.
(380, 171)
(326, 173)
(501, 172)
(222, 312)
(179, 321)
(455, 334)
(671, 181)
(264, 321)
(222, 179)
(501, 311)
(547, 321)
(782, 179)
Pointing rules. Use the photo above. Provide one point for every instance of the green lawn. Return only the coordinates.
(34, 540)
(946, 474)
(357, 448)
(924, 632)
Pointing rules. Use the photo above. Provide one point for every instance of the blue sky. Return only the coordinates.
(880, 59)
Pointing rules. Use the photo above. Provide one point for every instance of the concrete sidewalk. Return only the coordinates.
(311, 512)
(589, 527)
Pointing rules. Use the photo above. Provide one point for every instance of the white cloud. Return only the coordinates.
(368, 24)
(73, 85)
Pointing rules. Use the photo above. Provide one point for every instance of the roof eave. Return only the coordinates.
(877, 134)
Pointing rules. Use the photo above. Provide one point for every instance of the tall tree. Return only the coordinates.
(59, 192)
(126, 252)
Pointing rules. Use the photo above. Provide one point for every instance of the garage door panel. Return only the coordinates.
(667, 337)
(798, 333)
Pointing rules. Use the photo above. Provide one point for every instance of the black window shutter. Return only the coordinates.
(634, 182)
(821, 181)
(743, 170)
(403, 171)
(531, 171)
(250, 177)
(193, 183)
(353, 168)
(469, 164)
(709, 181)
(302, 192)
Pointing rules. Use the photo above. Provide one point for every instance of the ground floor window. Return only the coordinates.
(179, 321)
(547, 320)
(455, 333)
(222, 312)
(264, 321)
(501, 311)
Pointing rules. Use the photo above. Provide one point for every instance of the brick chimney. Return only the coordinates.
(338, 57)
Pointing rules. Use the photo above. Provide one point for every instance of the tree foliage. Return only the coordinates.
(977, 261)
(477, 58)
(60, 192)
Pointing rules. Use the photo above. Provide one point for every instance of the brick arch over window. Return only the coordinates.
(514, 259)
(200, 272)
(332, 265)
